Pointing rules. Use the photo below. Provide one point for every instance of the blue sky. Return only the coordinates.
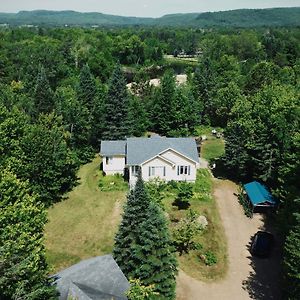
(145, 8)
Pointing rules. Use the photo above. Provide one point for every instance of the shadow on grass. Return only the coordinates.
(264, 281)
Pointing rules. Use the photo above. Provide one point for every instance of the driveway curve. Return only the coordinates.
(247, 277)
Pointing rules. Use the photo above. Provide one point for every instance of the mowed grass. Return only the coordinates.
(212, 238)
(84, 224)
(212, 148)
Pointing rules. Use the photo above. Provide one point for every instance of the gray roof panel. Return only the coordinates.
(140, 150)
(99, 273)
(110, 148)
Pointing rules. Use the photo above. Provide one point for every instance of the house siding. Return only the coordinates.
(166, 171)
(116, 165)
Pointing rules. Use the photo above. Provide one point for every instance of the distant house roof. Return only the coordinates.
(110, 148)
(258, 194)
(140, 150)
(98, 278)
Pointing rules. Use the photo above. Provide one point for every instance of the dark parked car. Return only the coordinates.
(262, 244)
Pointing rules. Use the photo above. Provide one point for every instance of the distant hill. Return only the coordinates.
(234, 18)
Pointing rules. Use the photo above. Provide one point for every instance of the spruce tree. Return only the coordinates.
(143, 246)
(43, 95)
(137, 117)
(87, 90)
(164, 105)
(116, 107)
(135, 213)
(155, 260)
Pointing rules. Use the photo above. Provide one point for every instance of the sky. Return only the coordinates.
(141, 8)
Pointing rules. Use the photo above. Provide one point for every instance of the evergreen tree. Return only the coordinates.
(135, 213)
(43, 95)
(155, 258)
(23, 268)
(137, 117)
(164, 105)
(116, 125)
(87, 90)
(204, 86)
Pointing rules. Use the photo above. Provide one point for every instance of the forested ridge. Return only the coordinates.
(63, 90)
(275, 17)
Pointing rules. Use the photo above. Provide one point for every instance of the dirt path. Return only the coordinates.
(247, 278)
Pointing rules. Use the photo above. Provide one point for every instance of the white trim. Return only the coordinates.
(179, 153)
(161, 157)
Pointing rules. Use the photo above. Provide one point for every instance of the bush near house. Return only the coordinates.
(111, 183)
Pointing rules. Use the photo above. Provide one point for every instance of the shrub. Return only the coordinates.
(185, 233)
(243, 200)
(185, 193)
(138, 291)
(112, 183)
(156, 188)
(210, 258)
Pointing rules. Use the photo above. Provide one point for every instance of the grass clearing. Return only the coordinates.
(84, 224)
(212, 238)
(212, 148)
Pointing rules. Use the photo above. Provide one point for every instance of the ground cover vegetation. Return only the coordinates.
(200, 245)
(63, 90)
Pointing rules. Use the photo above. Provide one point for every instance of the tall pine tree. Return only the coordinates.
(116, 125)
(143, 246)
(87, 90)
(43, 95)
(135, 213)
(154, 255)
(164, 109)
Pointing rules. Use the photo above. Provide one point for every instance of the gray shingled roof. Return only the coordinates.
(110, 148)
(140, 150)
(98, 278)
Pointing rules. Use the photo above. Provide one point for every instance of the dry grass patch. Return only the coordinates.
(85, 223)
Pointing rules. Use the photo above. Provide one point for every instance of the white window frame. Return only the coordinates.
(135, 170)
(183, 170)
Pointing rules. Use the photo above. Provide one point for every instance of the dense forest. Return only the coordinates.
(248, 18)
(63, 90)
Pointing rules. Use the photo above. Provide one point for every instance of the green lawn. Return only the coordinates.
(212, 238)
(84, 224)
(213, 147)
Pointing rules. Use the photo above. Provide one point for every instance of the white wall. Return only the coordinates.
(171, 171)
(115, 165)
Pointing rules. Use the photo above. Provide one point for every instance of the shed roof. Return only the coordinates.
(258, 194)
(98, 278)
(140, 150)
(110, 148)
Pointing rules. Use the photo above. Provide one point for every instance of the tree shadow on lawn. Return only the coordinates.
(264, 282)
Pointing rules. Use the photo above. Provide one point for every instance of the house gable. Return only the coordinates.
(173, 155)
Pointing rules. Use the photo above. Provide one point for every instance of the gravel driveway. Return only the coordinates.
(247, 277)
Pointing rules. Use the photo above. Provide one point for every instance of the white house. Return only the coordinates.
(167, 158)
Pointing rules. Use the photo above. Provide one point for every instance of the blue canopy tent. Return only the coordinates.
(259, 196)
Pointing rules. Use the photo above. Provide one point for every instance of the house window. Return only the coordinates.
(108, 160)
(135, 170)
(157, 171)
(151, 171)
(183, 170)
